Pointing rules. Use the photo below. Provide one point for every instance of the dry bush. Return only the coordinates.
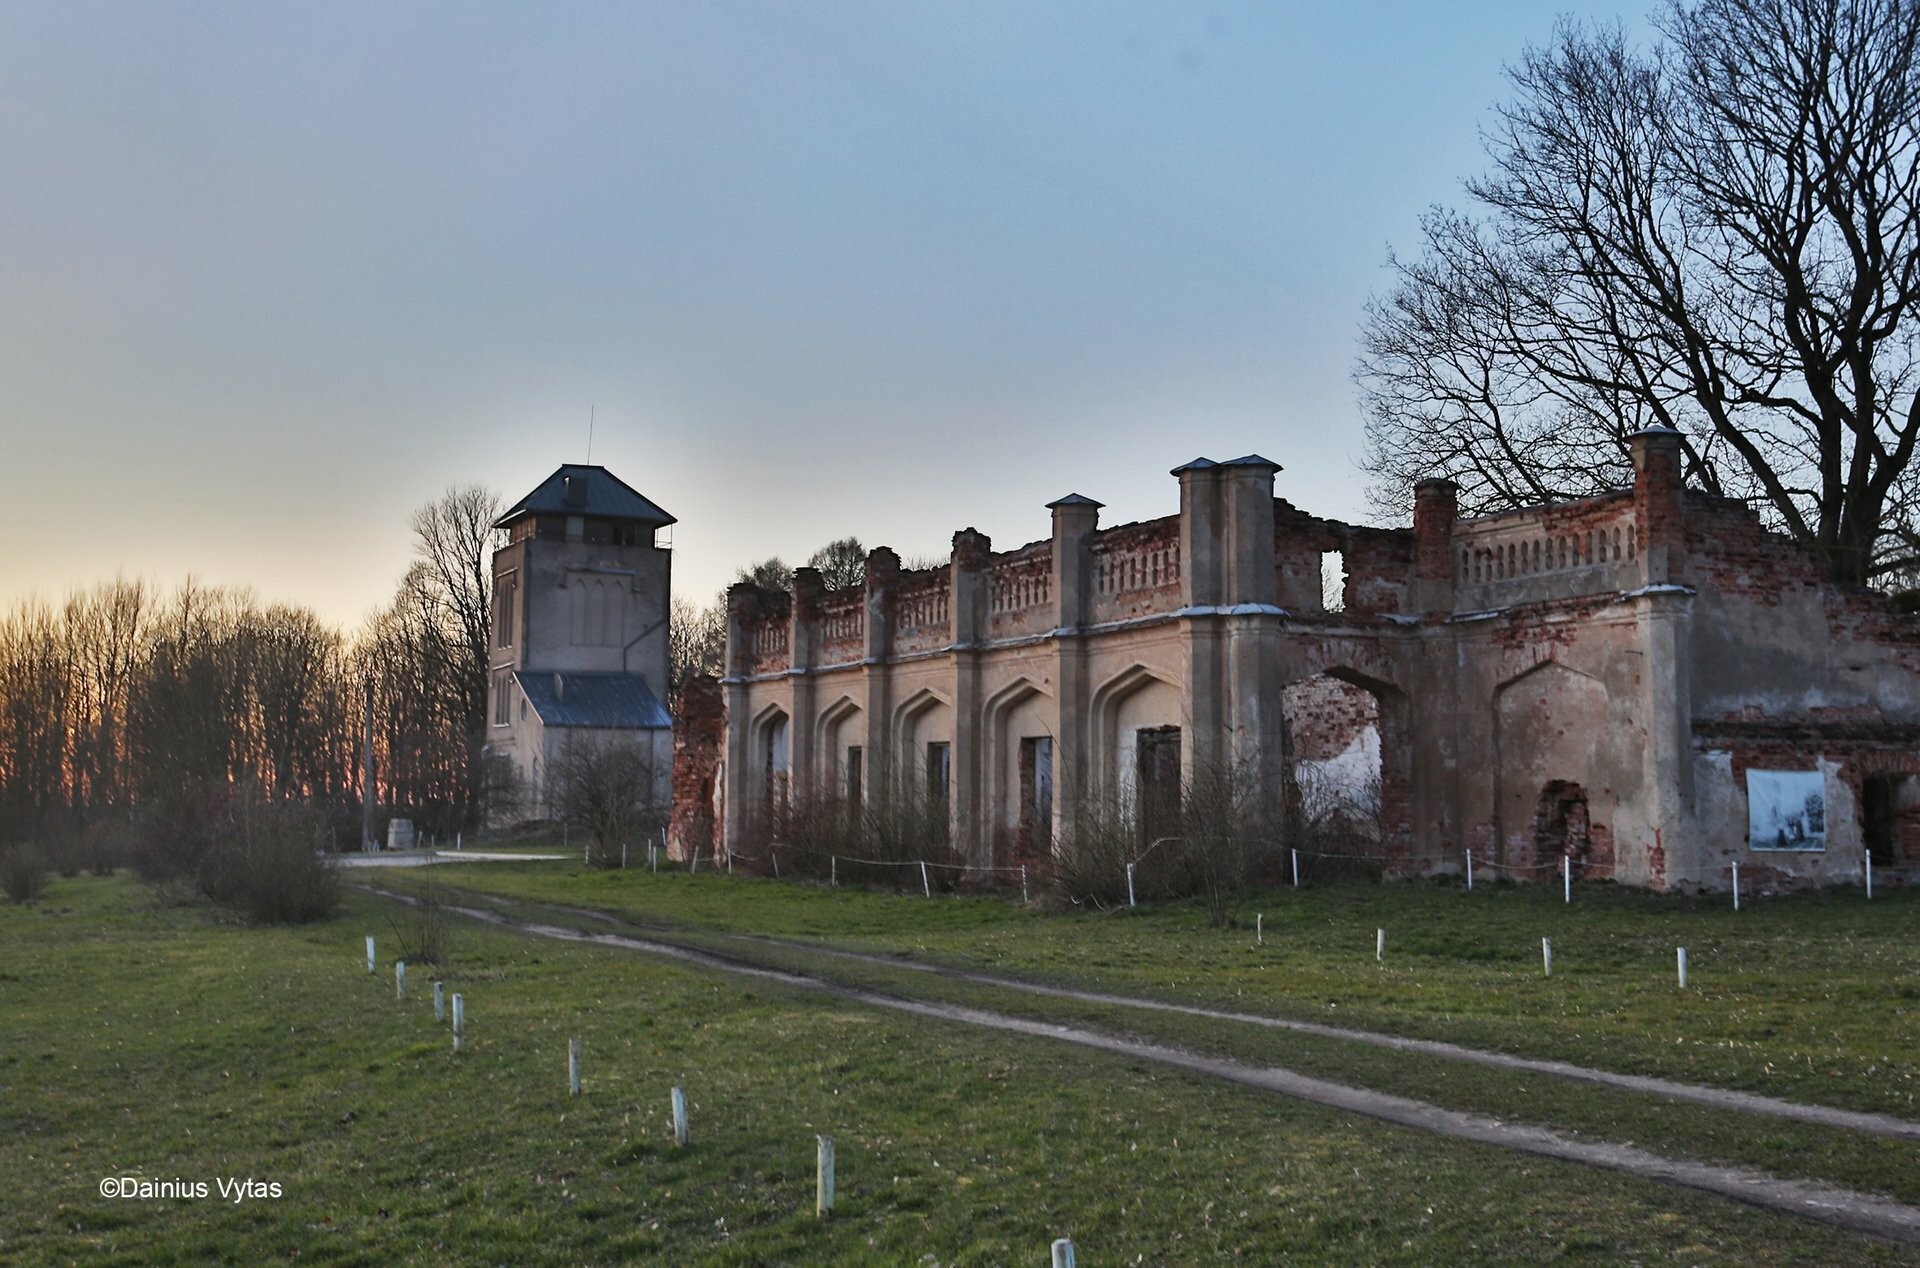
(606, 787)
(1337, 829)
(23, 871)
(876, 842)
(422, 934)
(266, 868)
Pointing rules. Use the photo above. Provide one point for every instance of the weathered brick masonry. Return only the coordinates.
(1645, 681)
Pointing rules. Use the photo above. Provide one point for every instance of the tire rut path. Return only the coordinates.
(1807, 1199)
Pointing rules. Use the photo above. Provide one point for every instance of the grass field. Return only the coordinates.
(157, 1041)
(1813, 997)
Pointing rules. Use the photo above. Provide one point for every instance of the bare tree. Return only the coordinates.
(450, 589)
(606, 785)
(696, 644)
(1720, 235)
(842, 563)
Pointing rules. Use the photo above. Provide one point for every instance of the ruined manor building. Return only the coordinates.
(1645, 682)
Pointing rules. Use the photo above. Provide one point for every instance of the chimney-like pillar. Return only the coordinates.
(1246, 487)
(883, 565)
(966, 612)
(1201, 533)
(1658, 508)
(1436, 507)
(1075, 520)
(736, 789)
(968, 601)
(803, 629)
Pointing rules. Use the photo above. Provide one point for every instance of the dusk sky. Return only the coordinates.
(271, 276)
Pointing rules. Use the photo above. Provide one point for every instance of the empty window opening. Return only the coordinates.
(1561, 824)
(1333, 581)
(1157, 780)
(939, 770)
(856, 778)
(1036, 793)
(1890, 819)
(774, 764)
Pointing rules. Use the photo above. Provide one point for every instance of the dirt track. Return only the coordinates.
(1826, 1203)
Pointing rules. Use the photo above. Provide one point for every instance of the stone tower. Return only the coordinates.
(579, 642)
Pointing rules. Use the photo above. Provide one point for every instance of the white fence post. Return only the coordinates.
(1736, 886)
(823, 1176)
(1260, 929)
(370, 959)
(399, 979)
(1296, 867)
(459, 1020)
(775, 856)
(1566, 866)
(1130, 885)
(833, 870)
(926, 886)
(1469, 871)
(1380, 944)
(1546, 957)
(1063, 1253)
(1024, 900)
(439, 1001)
(1682, 959)
(573, 1067)
(1869, 876)
(679, 1117)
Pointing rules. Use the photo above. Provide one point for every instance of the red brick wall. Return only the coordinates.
(1325, 715)
(699, 734)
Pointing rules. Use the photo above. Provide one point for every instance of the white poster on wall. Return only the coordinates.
(1786, 810)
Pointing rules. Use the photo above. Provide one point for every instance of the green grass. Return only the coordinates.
(157, 1041)
(1813, 997)
(1890, 1167)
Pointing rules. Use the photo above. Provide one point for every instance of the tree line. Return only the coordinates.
(127, 703)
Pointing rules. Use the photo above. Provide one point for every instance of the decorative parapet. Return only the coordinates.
(843, 624)
(1020, 592)
(1575, 548)
(922, 610)
(1135, 571)
(767, 630)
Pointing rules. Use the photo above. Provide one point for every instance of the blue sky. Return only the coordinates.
(276, 274)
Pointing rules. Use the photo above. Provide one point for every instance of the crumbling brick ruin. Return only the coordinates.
(1646, 682)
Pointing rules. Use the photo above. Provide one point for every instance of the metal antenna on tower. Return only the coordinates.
(590, 410)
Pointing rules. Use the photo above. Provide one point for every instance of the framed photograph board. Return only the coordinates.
(1786, 810)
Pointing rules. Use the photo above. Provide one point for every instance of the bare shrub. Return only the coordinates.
(1104, 833)
(177, 831)
(878, 841)
(267, 869)
(107, 845)
(1226, 834)
(23, 871)
(1337, 828)
(606, 786)
(421, 932)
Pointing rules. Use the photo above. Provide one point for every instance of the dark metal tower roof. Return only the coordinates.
(582, 490)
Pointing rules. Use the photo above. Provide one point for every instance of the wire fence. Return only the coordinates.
(1047, 870)
(1039, 868)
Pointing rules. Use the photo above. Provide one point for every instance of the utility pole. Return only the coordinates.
(366, 776)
